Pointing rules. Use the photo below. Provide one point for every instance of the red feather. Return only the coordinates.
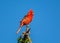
(26, 20)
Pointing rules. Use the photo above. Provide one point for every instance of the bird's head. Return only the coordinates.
(30, 13)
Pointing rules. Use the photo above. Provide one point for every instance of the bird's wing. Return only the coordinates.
(25, 16)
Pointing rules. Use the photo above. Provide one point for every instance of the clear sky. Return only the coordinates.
(45, 27)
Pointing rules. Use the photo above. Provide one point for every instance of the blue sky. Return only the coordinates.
(45, 27)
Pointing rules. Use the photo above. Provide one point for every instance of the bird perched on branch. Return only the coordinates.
(26, 20)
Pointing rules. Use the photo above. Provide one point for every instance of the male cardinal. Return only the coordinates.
(26, 20)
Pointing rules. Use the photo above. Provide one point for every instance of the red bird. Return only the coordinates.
(26, 20)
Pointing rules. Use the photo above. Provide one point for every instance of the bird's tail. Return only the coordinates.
(18, 30)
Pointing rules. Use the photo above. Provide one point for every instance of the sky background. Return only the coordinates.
(45, 27)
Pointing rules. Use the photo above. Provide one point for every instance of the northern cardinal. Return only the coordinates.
(26, 20)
